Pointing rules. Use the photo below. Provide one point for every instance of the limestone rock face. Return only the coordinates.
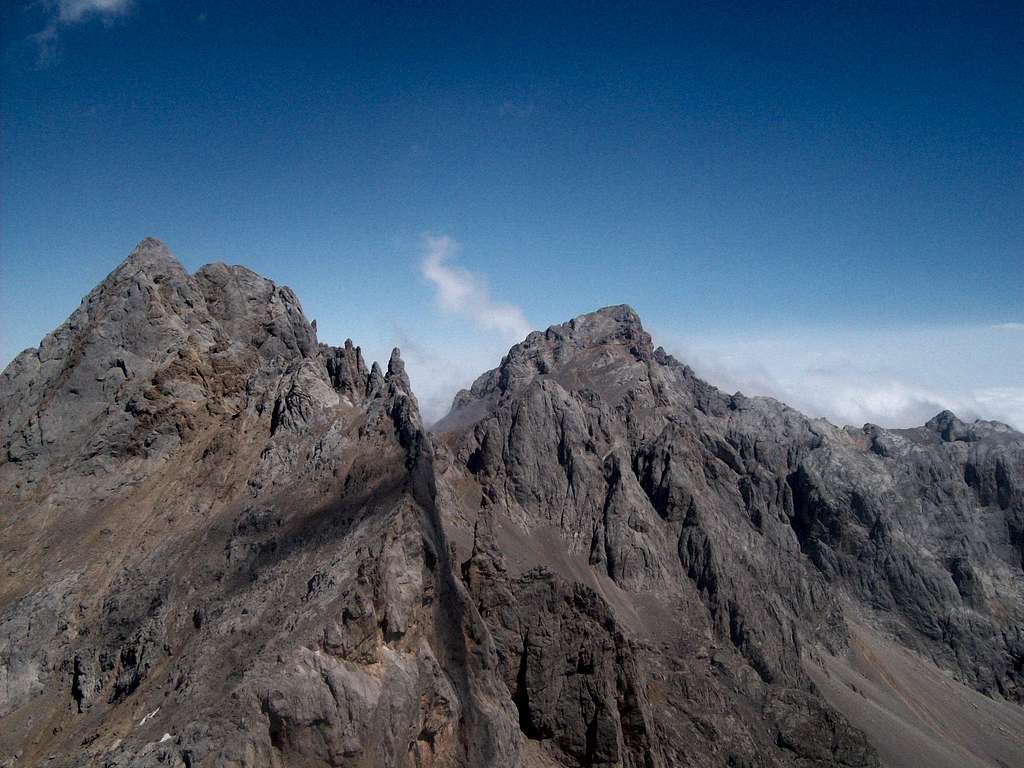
(216, 528)
(730, 539)
(228, 544)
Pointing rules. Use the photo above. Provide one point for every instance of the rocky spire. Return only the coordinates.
(396, 369)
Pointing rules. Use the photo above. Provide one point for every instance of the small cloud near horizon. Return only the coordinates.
(1008, 327)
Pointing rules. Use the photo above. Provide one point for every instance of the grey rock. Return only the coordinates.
(234, 528)
(764, 529)
(227, 543)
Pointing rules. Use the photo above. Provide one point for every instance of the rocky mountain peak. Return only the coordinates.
(150, 249)
(607, 325)
(614, 331)
(950, 428)
(150, 256)
(396, 376)
(255, 311)
(589, 342)
(228, 543)
(396, 367)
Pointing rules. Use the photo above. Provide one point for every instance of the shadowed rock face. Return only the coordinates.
(228, 544)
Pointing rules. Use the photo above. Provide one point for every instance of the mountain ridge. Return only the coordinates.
(596, 558)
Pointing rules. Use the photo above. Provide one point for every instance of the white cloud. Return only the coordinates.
(64, 13)
(895, 377)
(73, 11)
(900, 378)
(458, 291)
(438, 371)
(46, 43)
(1005, 401)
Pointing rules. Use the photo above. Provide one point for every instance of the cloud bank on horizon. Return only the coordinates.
(851, 388)
(900, 378)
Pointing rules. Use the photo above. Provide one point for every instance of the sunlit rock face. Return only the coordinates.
(226, 543)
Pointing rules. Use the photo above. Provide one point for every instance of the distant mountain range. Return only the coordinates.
(225, 543)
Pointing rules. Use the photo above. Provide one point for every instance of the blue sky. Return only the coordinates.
(826, 205)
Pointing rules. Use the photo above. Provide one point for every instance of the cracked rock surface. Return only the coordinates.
(228, 544)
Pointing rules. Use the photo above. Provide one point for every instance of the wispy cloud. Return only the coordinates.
(439, 370)
(73, 11)
(895, 377)
(64, 13)
(458, 291)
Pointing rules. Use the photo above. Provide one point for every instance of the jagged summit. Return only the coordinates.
(588, 341)
(231, 304)
(952, 429)
(396, 367)
(147, 340)
(948, 426)
(613, 323)
(151, 256)
(617, 324)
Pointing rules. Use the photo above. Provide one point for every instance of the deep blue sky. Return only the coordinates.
(731, 173)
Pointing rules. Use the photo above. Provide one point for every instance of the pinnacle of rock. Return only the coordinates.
(396, 367)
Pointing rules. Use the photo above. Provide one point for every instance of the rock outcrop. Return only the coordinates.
(226, 543)
(218, 529)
